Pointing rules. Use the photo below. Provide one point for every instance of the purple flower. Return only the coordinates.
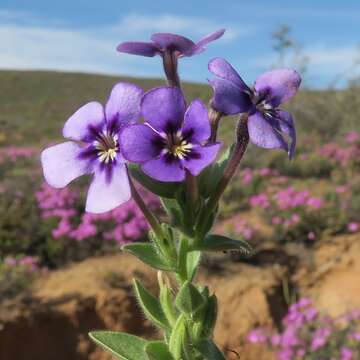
(171, 140)
(94, 149)
(269, 126)
(162, 43)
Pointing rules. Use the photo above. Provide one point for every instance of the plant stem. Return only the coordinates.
(242, 140)
(192, 192)
(170, 63)
(148, 214)
(214, 117)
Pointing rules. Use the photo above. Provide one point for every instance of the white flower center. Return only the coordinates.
(107, 146)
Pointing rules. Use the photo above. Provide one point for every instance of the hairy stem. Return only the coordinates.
(214, 117)
(148, 214)
(192, 191)
(242, 140)
(170, 63)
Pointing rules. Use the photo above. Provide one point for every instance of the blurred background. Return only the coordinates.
(62, 273)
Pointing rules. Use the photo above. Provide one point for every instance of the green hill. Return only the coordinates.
(35, 104)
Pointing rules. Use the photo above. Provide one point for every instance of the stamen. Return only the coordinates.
(107, 146)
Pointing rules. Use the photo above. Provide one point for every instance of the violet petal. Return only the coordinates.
(172, 42)
(138, 48)
(90, 116)
(287, 126)
(278, 85)
(265, 133)
(139, 143)
(221, 68)
(61, 164)
(105, 195)
(123, 105)
(228, 98)
(165, 168)
(163, 108)
(196, 127)
(201, 156)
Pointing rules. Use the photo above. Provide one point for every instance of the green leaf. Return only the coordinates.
(223, 243)
(147, 253)
(163, 189)
(177, 338)
(192, 262)
(124, 346)
(208, 349)
(158, 350)
(151, 306)
(189, 299)
(211, 176)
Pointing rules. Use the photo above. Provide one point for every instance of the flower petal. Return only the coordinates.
(61, 164)
(210, 37)
(228, 98)
(123, 106)
(163, 108)
(172, 42)
(201, 156)
(139, 143)
(287, 126)
(265, 133)
(164, 168)
(80, 125)
(221, 68)
(138, 48)
(278, 85)
(196, 127)
(105, 195)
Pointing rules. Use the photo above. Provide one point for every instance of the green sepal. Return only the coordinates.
(123, 346)
(223, 243)
(209, 350)
(174, 211)
(147, 253)
(205, 319)
(151, 306)
(192, 262)
(158, 350)
(189, 299)
(178, 338)
(167, 304)
(205, 222)
(211, 175)
(163, 189)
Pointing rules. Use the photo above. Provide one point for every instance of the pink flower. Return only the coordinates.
(316, 203)
(10, 261)
(346, 354)
(260, 200)
(352, 137)
(311, 235)
(257, 336)
(353, 227)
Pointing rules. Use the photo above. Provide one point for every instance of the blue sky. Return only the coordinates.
(82, 35)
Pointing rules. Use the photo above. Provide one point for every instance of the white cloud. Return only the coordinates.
(28, 44)
(325, 64)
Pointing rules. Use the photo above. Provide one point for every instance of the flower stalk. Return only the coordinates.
(170, 63)
(241, 143)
